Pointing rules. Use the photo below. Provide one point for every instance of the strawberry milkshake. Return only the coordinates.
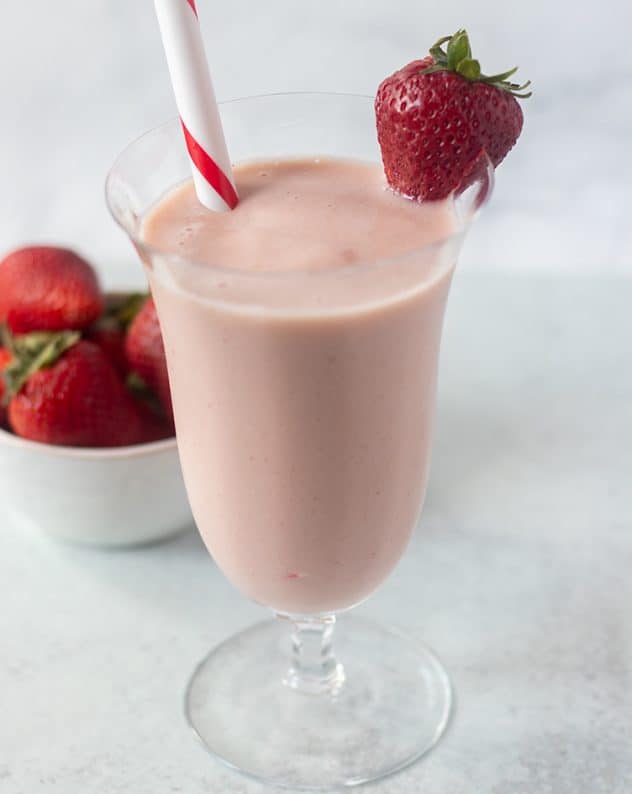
(304, 429)
(302, 332)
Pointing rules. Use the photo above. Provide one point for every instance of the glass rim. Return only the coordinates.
(153, 251)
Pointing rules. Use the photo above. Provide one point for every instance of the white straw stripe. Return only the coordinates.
(193, 90)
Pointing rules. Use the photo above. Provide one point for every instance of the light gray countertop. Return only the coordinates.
(519, 576)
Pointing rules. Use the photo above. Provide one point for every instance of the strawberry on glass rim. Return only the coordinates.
(438, 116)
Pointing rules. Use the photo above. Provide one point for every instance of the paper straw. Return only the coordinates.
(197, 106)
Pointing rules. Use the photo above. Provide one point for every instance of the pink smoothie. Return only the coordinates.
(302, 349)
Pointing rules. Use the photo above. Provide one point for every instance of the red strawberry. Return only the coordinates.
(146, 354)
(109, 330)
(66, 392)
(437, 115)
(111, 340)
(5, 358)
(154, 427)
(47, 289)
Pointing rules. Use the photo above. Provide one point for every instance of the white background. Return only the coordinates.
(79, 80)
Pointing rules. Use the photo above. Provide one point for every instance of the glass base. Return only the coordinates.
(390, 707)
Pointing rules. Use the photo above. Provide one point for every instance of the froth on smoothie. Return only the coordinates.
(297, 214)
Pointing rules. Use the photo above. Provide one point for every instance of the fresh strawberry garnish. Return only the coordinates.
(146, 354)
(436, 117)
(64, 391)
(5, 360)
(47, 289)
(109, 330)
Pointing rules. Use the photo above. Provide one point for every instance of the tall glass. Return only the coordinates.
(304, 404)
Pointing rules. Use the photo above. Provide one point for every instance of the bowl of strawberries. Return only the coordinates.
(87, 443)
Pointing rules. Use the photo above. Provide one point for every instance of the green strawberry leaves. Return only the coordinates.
(469, 68)
(457, 57)
(458, 50)
(32, 352)
(120, 310)
(39, 349)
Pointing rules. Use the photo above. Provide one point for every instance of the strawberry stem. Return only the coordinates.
(31, 353)
(120, 310)
(457, 57)
(459, 50)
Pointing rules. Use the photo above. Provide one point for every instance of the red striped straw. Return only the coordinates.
(197, 106)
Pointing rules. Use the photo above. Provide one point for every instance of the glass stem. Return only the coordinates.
(313, 666)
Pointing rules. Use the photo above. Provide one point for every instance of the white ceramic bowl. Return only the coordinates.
(121, 496)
